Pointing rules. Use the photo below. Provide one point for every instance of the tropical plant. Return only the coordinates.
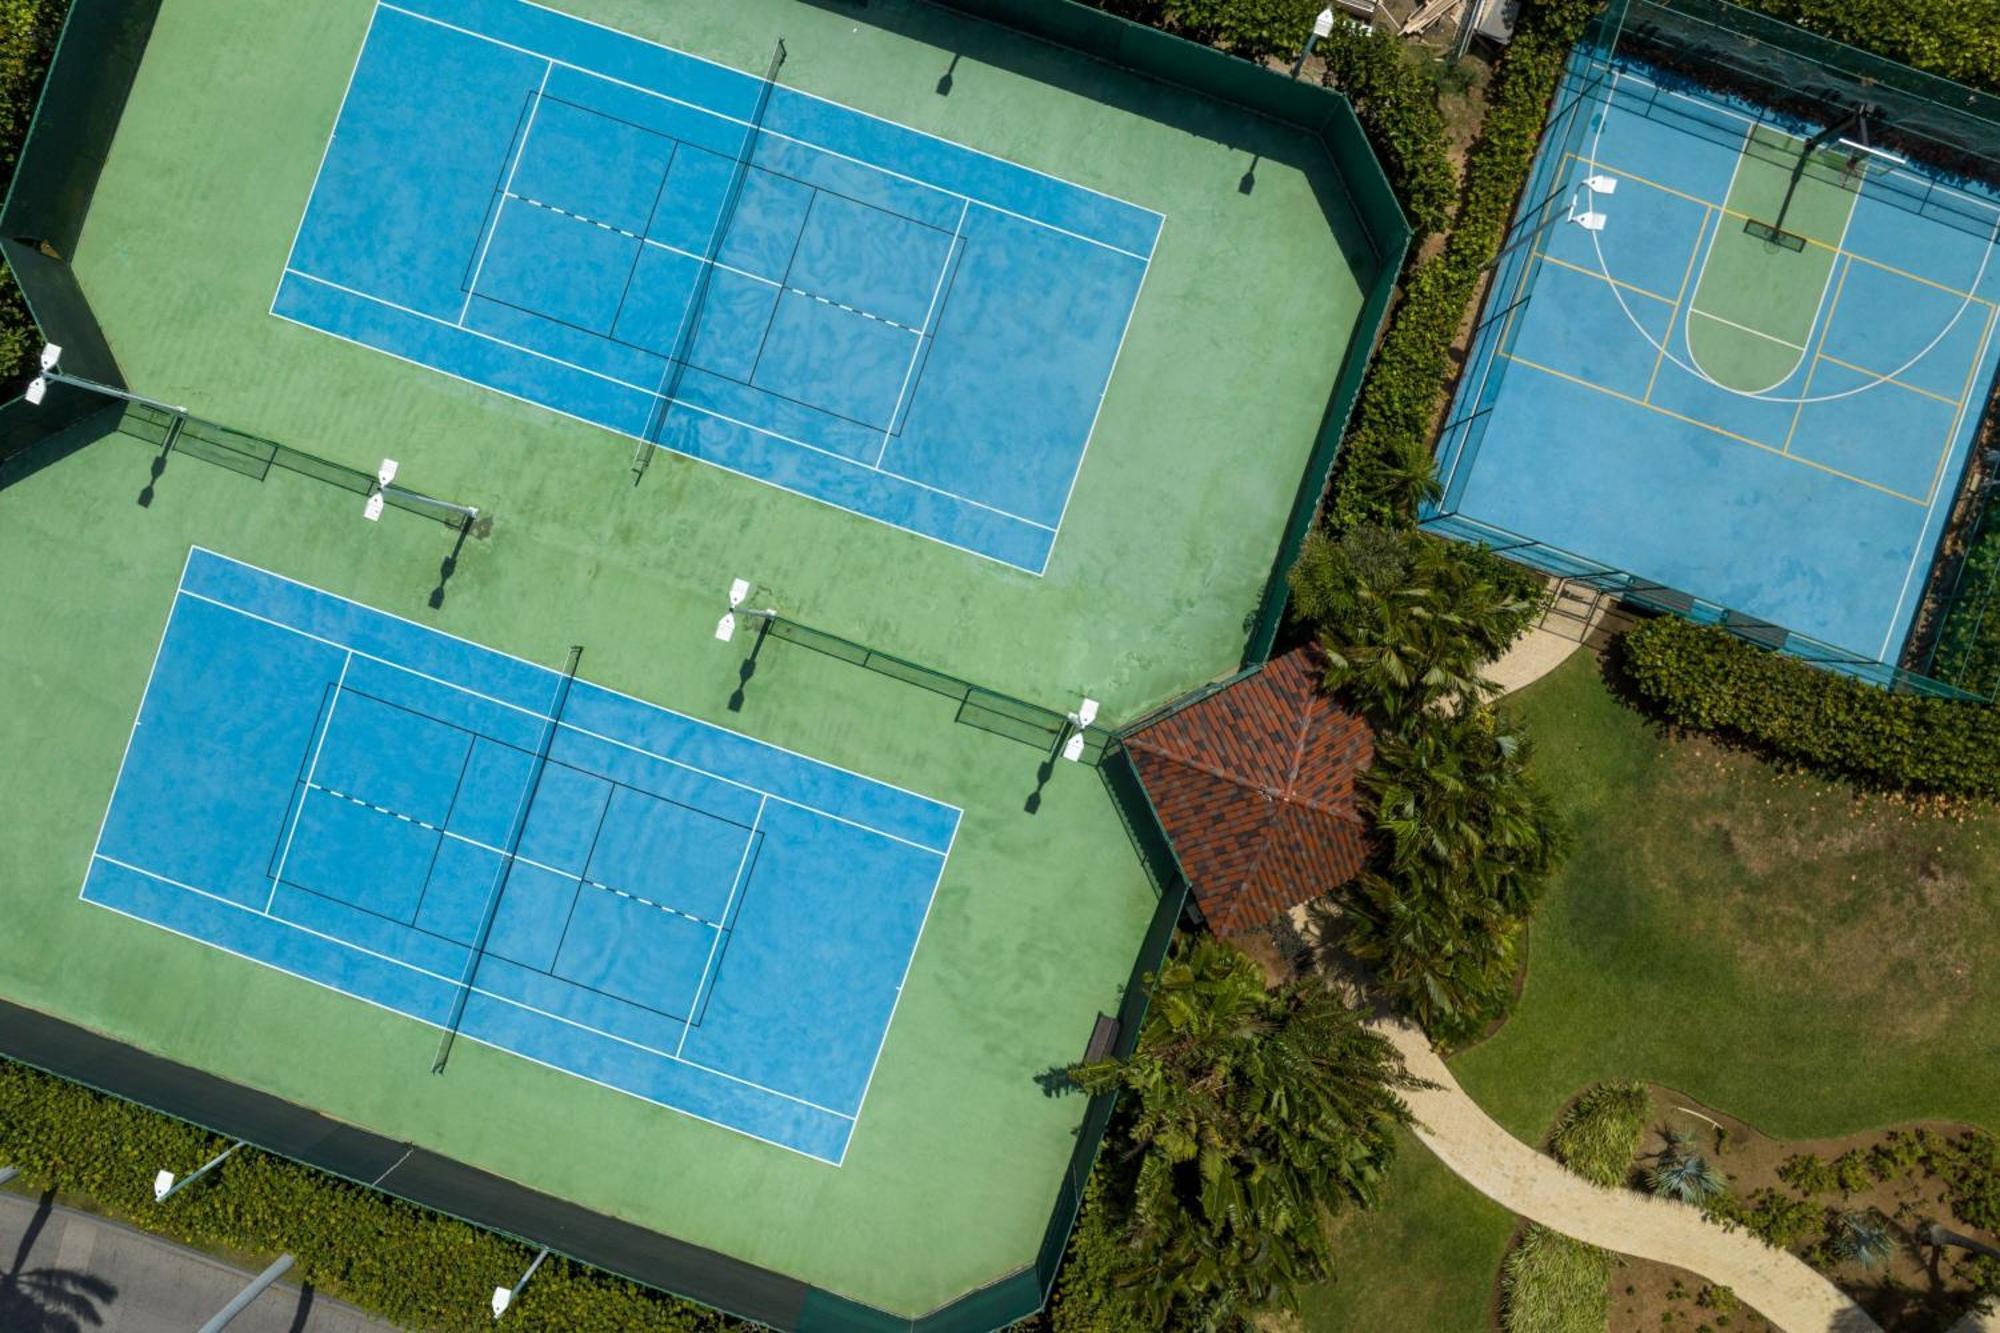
(1862, 1236)
(1407, 620)
(1597, 1135)
(1552, 1284)
(1682, 1171)
(1248, 1116)
(1469, 842)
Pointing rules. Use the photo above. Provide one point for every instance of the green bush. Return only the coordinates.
(1959, 39)
(1778, 1219)
(1396, 100)
(416, 1268)
(1552, 1284)
(1699, 676)
(1598, 1134)
(28, 31)
(1385, 461)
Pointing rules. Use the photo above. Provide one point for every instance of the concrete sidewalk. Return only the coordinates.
(62, 1271)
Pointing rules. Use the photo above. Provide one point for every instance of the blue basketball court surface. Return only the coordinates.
(585, 880)
(1659, 396)
(710, 262)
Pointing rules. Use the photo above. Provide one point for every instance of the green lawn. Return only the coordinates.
(1810, 960)
(1425, 1259)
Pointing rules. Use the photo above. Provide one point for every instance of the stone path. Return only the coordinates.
(1776, 1284)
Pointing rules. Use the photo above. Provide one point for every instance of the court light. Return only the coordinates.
(1085, 714)
(38, 389)
(739, 590)
(1601, 184)
(51, 354)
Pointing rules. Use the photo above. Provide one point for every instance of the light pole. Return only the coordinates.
(52, 373)
(1322, 25)
(504, 1296)
(165, 1187)
(258, 1286)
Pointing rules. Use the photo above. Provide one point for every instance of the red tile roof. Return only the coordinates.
(1255, 786)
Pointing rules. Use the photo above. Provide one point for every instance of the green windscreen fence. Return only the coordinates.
(1319, 112)
(88, 87)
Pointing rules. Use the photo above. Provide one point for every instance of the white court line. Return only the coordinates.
(1744, 328)
(557, 871)
(326, 729)
(561, 725)
(1110, 377)
(506, 189)
(930, 311)
(477, 1041)
(528, 662)
(426, 972)
(803, 143)
(326, 151)
(1734, 114)
(133, 734)
(827, 101)
(735, 884)
(655, 394)
(902, 984)
(1951, 442)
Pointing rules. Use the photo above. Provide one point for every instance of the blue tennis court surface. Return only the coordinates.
(670, 909)
(688, 255)
(1786, 447)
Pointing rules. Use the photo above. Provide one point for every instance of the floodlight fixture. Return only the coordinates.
(1601, 184)
(386, 474)
(38, 389)
(51, 354)
(372, 510)
(1323, 24)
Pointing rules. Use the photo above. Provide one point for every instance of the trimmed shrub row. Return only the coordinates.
(417, 1268)
(1385, 460)
(1700, 676)
(28, 31)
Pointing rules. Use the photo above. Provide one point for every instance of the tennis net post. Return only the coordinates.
(677, 365)
(509, 858)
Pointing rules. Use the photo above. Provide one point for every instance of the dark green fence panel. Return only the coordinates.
(1320, 112)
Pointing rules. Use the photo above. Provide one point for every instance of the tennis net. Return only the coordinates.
(487, 917)
(677, 366)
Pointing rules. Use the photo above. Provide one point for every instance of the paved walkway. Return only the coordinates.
(63, 1271)
(1776, 1284)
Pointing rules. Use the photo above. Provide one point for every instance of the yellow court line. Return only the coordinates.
(1880, 378)
(1964, 403)
(1825, 327)
(1660, 352)
(1601, 276)
(1755, 444)
(1726, 211)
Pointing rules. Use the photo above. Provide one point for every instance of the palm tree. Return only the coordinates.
(1681, 1171)
(1249, 1116)
(1407, 620)
(1862, 1234)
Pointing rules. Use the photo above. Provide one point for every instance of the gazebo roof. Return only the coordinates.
(1255, 786)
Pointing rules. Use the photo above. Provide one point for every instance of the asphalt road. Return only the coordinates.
(62, 1271)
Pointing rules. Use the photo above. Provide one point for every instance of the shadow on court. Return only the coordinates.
(960, 38)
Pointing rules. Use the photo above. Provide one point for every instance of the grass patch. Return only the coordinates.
(1813, 960)
(1552, 1284)
(1423, 1257)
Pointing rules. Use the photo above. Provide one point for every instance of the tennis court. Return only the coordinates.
(1775, 424)
(490, 846)
(706, 261)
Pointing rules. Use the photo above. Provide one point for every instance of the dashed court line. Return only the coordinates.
(647, 240)
(447, 833)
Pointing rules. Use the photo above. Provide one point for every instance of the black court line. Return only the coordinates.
(639, 253)
(784, 285)
(557, 763)
(299, 789)
(431, 869)
(588, 853)
(901, 414)
(705, 983)
(491, 216)
(782, 175)
(490, 952)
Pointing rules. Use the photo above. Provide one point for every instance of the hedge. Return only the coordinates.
(417, 1268)
(28, 30)
(1700, 676)
(1414, 368)
(1958, 39)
